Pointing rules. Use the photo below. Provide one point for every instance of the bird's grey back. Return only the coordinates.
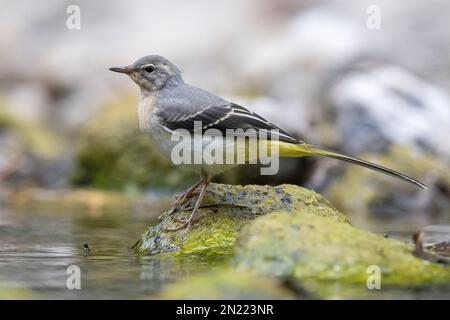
(185, 99)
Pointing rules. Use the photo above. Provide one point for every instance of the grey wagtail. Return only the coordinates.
(167, 103)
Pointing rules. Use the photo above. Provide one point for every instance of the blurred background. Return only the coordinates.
(368, 78)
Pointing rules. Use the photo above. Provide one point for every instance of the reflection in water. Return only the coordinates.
(37, 246)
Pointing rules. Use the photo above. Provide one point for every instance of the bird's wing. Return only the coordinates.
(223, 117)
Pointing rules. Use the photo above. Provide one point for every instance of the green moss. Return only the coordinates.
(226, 209)
(309, 247)
(226, 284)
(284, 232)
(113, 153)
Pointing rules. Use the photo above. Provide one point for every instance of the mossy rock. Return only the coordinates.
(113, 153)
(306, 247)
(13, 291)
(225, 284)
(225, 210)
(382, 195)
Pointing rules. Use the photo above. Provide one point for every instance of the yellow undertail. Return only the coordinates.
(303, 149)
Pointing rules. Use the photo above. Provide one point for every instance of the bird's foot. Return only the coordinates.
(188, 223)
(183, 221)
(181, 200)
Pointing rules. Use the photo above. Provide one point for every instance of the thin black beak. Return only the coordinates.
(126, 70)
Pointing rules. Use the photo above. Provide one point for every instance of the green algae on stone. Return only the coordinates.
(225, 210)
(225, 284)
(307, 247)
(113, 153)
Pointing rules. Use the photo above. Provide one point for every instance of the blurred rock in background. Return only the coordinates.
(392, 117)
(30, 155)
(312, 67)
(367, 195)
(373, 105)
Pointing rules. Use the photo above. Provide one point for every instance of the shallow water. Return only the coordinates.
(37, 247)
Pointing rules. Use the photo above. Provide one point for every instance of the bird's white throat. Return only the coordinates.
(145, 108)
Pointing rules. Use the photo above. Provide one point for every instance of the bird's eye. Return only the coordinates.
(149, 68)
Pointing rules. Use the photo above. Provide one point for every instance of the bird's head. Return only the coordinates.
(152, 73)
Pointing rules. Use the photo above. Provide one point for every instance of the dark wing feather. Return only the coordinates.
(230, 116)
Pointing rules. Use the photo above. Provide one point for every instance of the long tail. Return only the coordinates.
(303, 149)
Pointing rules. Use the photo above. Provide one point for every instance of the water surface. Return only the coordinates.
(37, 248)
(38, 245)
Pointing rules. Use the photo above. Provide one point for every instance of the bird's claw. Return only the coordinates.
(167, 213)
(185, 223)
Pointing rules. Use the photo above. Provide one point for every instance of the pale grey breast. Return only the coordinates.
(149, 122)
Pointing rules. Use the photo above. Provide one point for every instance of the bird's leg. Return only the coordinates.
(187, 224)
(182, 198)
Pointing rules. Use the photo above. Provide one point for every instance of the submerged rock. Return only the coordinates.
(309, 247)
(225, 210)
(226, 284)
